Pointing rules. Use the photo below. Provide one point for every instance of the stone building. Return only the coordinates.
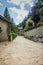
(20, 31)
(3, 28)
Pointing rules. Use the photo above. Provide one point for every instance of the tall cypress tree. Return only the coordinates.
(6, 14)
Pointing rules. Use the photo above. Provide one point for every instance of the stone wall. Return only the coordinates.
(3, 34)
(35, 34)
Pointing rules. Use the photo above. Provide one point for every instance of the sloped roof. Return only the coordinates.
(4, 19)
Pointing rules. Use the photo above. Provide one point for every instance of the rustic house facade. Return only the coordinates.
(3, 28)
(20, 31)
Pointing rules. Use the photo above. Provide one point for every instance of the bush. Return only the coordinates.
(29, 24)
(13, 34)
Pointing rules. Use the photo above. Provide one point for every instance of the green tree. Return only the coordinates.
(6, 14)
(41, 14)
(11, 29)
(35, 15)
(13, 25)
(40, 3)
(29, 24)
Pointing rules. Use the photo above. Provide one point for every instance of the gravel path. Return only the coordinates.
(21, 52)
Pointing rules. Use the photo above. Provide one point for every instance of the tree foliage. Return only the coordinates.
(6, 14)
(11, 27)
(40, 3)
(29, 24)
(35, 15)
(41, 14)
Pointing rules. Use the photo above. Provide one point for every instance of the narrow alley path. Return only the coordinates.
(21, 51)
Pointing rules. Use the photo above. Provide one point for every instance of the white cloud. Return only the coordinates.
(20, 12)
(1, 4)
(17, 2)
(20, 2)
(22, 5)
(30, 2)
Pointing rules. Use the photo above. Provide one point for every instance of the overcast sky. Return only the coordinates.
(18, 9)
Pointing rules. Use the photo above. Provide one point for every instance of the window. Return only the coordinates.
(0, 30)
